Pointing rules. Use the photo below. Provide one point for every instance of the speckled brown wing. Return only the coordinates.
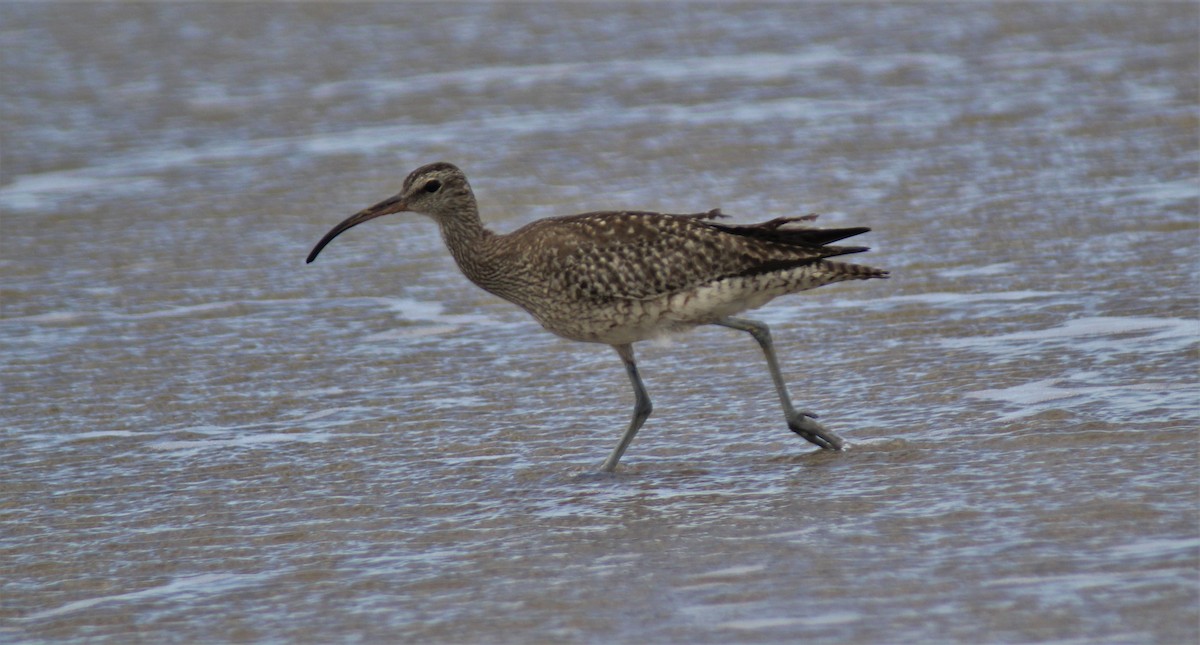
(637, 255)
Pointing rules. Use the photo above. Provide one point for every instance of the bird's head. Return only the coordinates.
(438, 190)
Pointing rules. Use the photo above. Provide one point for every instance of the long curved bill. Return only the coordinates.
(393, 204)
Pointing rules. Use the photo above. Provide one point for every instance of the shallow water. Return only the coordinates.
(205, 439)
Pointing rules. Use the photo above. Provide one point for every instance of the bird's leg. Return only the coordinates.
(641, 407)
(803, 422)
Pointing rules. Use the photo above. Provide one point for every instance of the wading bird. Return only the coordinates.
(621, 277)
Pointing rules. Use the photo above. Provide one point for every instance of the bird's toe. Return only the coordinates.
(805, 425)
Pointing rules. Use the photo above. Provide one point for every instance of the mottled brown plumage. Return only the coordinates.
(620, 277)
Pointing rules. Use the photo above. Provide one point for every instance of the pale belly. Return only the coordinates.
(619, 322)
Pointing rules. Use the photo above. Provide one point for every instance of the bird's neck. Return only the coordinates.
(469, 244)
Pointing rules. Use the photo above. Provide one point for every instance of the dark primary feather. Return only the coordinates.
(776, 231)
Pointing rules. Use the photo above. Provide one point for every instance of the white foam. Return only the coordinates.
(1100, 333)
(143, 171)
(241, 440)
(202, 583)
(1038, 396)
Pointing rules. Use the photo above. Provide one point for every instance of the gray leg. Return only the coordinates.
(641, 407)
(803, 422)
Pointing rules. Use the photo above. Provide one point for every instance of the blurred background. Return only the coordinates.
(204, 439)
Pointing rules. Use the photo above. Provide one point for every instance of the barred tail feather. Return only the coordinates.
(848, 271)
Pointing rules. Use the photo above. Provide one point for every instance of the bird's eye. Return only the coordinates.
(432, 186)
